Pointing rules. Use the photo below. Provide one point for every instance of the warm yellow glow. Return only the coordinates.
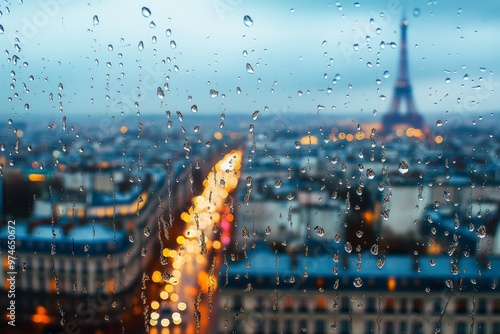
(166, 252)
(123, 129)
(341, 136)
(164, 295)
(104, 164)
(36, 177)
(434, 248)
(216, 244)
(165, 322)
(156, 277)
(174, 297)
(309, 140)
(182, 306)
(169, 288)
(177, 321)
(109, 211)
(155, 315)
(409, 132)
(368, 217)
(399, 132)
(180, 239)
(155, 305)
(200, 259)
(100, 212)
(349, 137)
(217, 135)
(438, 139)
(176, 316)
(153, 322)
(391, 284)
(360, 135)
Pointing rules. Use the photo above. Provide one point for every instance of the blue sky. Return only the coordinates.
(60, 43)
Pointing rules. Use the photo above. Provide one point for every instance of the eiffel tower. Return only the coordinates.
(395, 121)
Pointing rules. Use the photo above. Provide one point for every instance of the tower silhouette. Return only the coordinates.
(394, 119)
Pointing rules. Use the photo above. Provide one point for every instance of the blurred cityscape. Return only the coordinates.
(253, 224)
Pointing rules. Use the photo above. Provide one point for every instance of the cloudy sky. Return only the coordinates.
(303, 54)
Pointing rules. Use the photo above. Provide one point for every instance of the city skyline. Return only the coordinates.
(288, 51)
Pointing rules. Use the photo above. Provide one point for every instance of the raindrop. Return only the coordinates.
(24, 266)
(147, 231)
(1, 29)
(255, 115)
(357, 282)
(249, 69)
(245, 233)
(380, 263)
(386, 74)
(481, 232)
(247, 20)
(194, 108)
(249, 181)
(268, 230)
(144, 252)
(403, 167)
(277, 184)
(146, 12)
(160, 93)
(370, 174)
(95, 20)
(319, 231)
(348, 247)
(374, 249)
(141, 46)
(213, 93)
(416, 12)
(297, 144)
(439, 123)
(173, 44)
(432, 262)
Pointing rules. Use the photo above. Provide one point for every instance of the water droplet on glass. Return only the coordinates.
(481, 232)
(348, 247)
(380, 263)
(160, 93)
(439, 123)
(268, 230)
(297, 144)
(255, 115)
(416, 12)
(432, 262)
(140, 46)
(374, 249)
(247, 20)
(194, 108)
(147, 231)
(447, 80)
(357, 282)
(144, 252)
(319, 231)
(213, 93)
(146, 12)
(95, 20)
(249, 69)
(245, 233)
(173, 44)
(403, 167)
(277, 184)
(386, 74)
(1, 29)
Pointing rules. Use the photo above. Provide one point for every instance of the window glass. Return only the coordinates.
(236, 166)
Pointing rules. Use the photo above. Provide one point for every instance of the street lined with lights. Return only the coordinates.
(208, 219)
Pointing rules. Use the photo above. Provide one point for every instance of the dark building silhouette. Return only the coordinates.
(395, 119)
